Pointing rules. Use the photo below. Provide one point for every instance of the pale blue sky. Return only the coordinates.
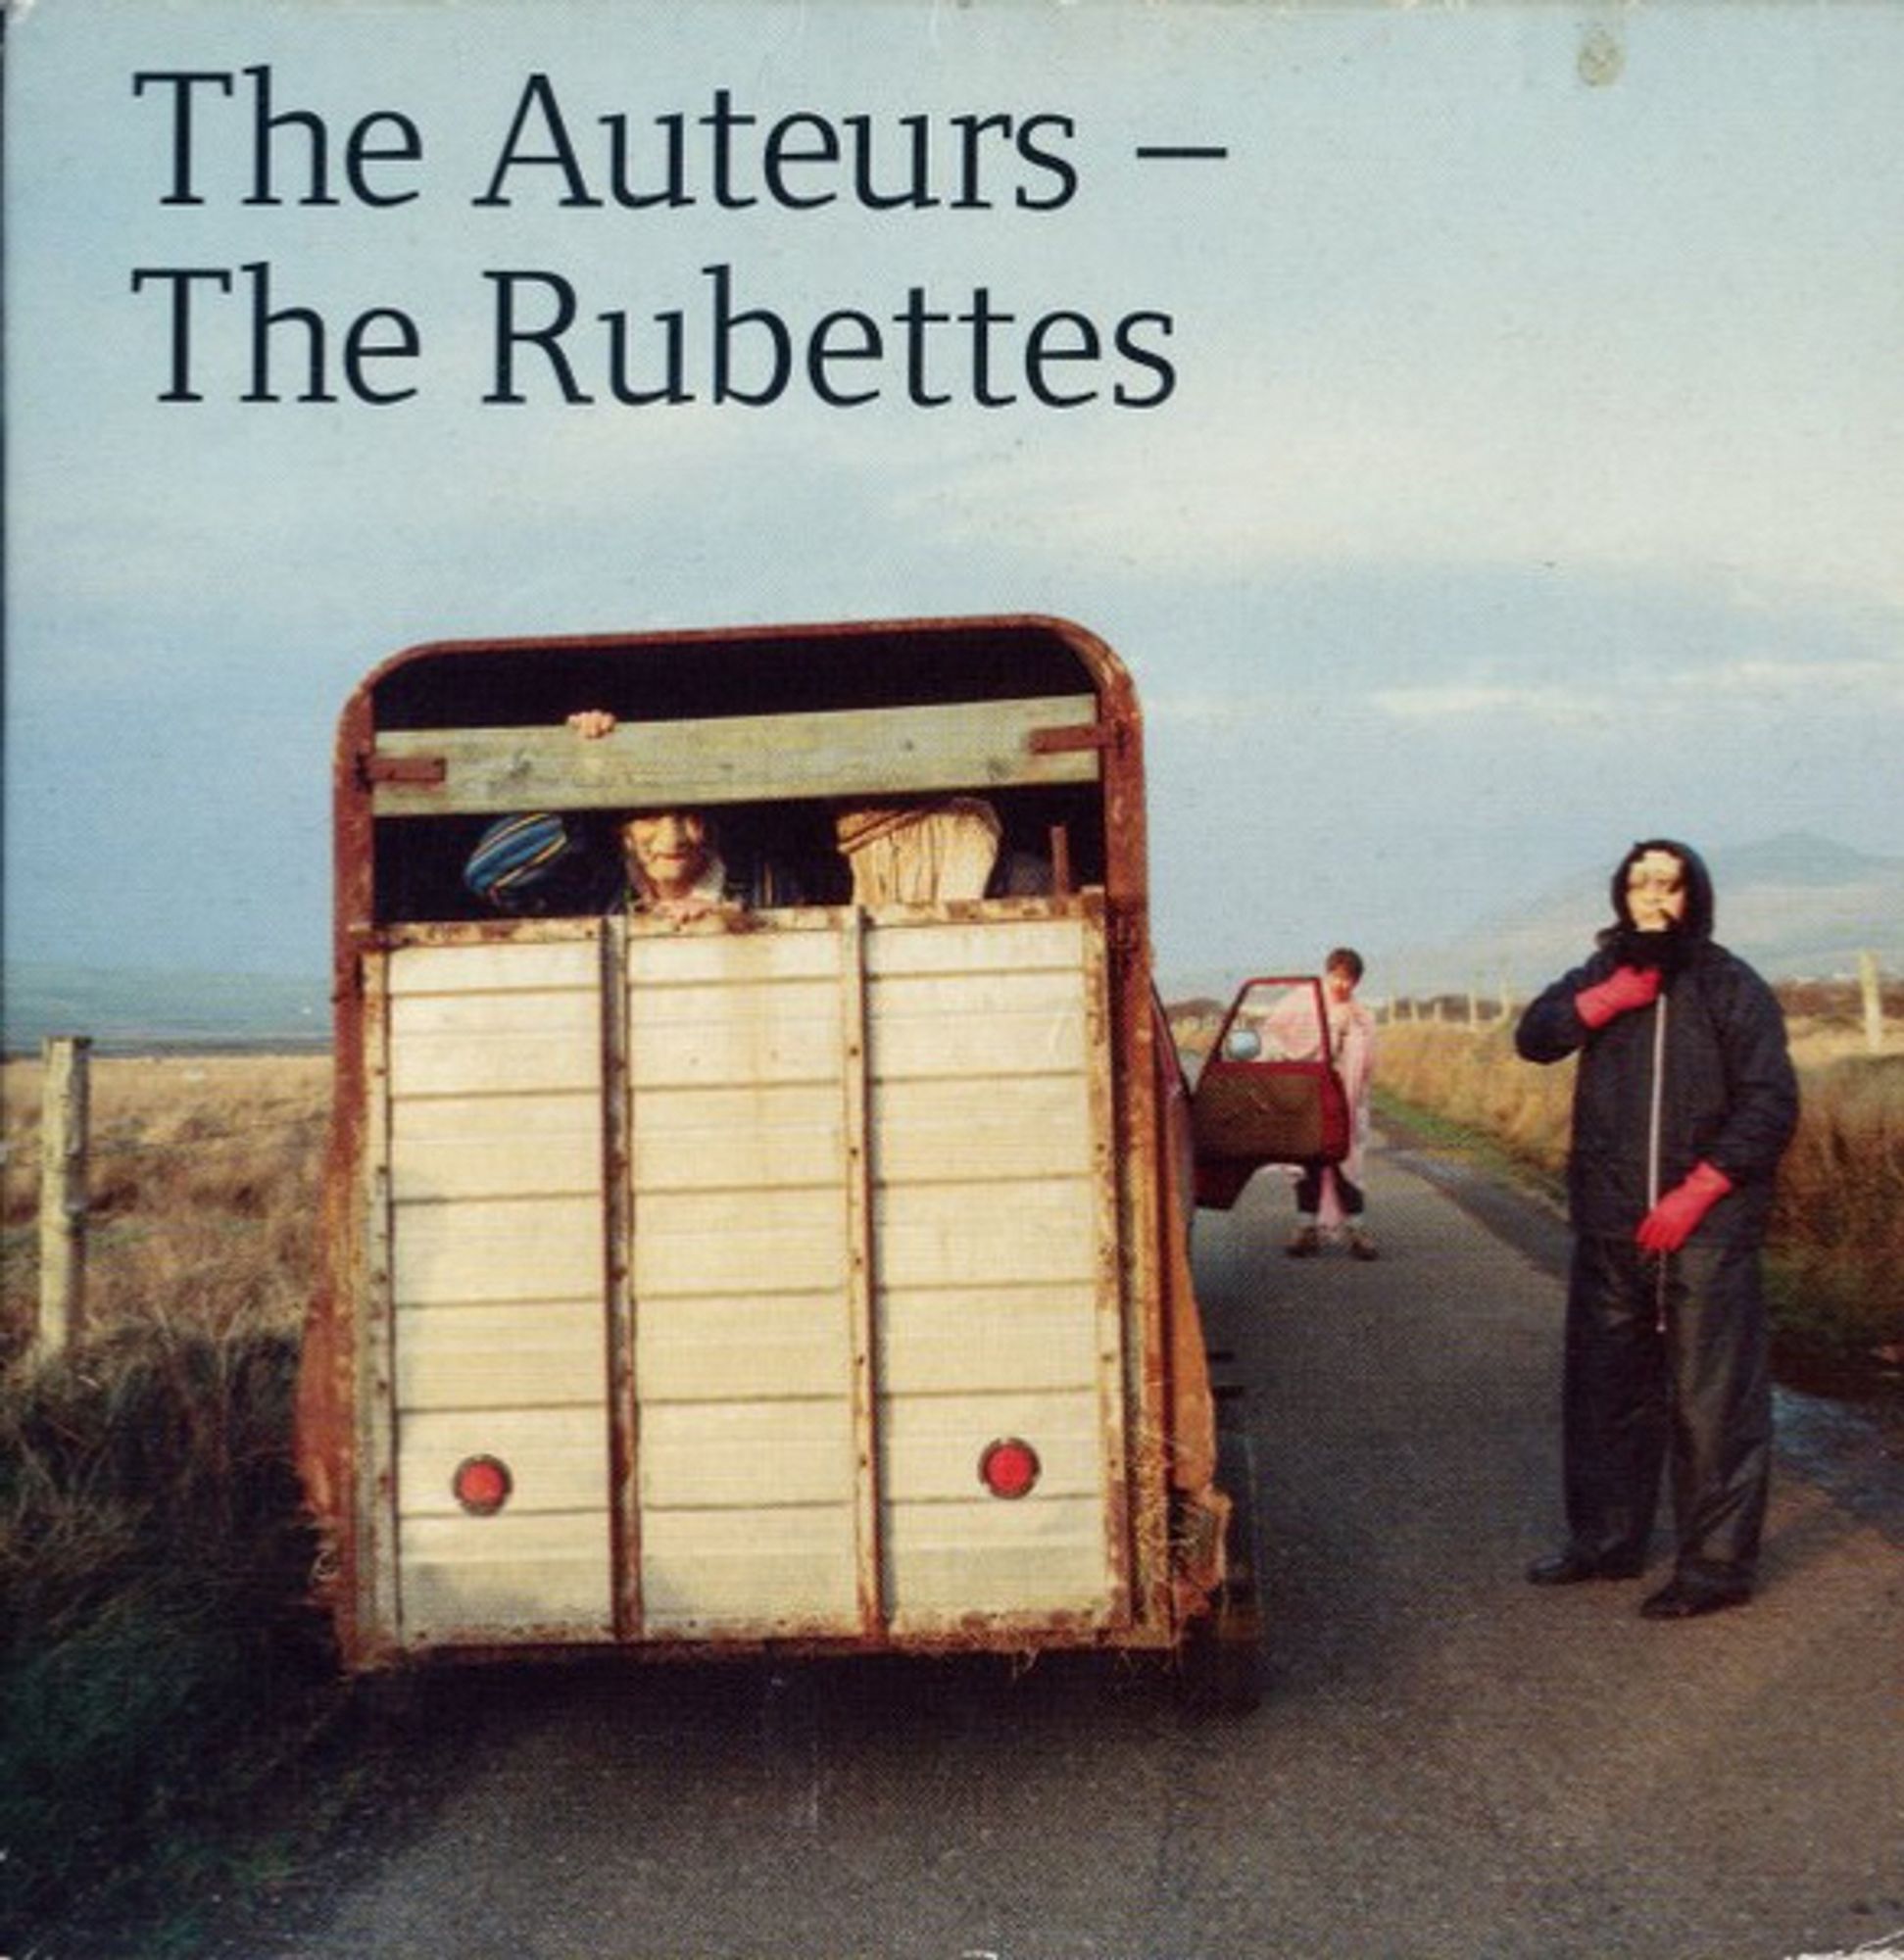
(1534, 476)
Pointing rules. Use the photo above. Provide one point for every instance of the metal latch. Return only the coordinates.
(430, 772)
(1063, 741)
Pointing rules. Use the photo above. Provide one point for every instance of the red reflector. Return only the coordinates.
(1008, 1468)
(482, 1485)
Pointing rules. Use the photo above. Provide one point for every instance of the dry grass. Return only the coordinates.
(156, 1650)
(203, 1182)
(1837, 1230)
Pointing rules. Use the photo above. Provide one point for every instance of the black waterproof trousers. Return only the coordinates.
(1674, 1367)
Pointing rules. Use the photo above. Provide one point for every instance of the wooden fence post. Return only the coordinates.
(1870, 987)
(63, 1191)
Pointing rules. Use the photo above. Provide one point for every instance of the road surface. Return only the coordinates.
(1449, 1762)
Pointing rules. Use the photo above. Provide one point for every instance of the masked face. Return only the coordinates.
(667, 850)
(1656, 892)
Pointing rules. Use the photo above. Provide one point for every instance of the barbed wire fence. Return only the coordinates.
(72, 1153)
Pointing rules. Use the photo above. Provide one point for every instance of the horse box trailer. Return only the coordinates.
(810, 1276)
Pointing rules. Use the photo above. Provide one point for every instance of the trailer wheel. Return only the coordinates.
(1223, 1663)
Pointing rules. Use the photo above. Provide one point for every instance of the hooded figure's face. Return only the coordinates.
(1662, 903)
(1655, 892)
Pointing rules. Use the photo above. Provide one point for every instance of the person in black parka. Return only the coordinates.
(1684, 1102)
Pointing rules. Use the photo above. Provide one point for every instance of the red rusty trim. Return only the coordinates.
(1103, 666)
(1011, 1638)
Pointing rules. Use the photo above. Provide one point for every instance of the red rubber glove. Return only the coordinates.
(1623, 990)
(1669, 1224)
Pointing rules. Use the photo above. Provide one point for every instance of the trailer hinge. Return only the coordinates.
(1080, 735)
(428, 770)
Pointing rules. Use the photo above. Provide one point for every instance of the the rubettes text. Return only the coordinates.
(744, 329)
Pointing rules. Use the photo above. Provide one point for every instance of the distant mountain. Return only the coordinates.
(128, 1007)
(1797, 907)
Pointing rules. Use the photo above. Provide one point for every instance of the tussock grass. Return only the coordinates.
(159, 1663)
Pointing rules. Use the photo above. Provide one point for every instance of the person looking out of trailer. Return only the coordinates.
(667, 863)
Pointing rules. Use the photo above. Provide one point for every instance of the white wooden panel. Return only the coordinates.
(947, 1561)
(739, 1242)
(493, 1357)
(760, 1456)
(1003, 1044)
(729, 1346)
(566, 1012)
(993, 1340)
(497, 1250)
(753, 1039)
(695, 962)
(702, 1570)
(451, 1064)
(959, 1234)
(932, 1444)
(1012, 945)
(939, 997)
(1037, 1126)
(485, 1147)
(790, 1136)
(485, 1577)
(493, 965)
(558, 1457)
(797, 1000)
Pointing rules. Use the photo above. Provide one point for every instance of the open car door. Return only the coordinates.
(1270, 1092)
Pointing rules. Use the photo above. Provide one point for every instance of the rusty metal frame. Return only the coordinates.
(868, 1548)
(379, 1509)
(617, 1197)
(1166, 1390)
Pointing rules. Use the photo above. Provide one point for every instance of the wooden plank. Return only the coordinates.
(568, 1014)
(557, 1161)
(805, 949)
(492, 965)
(486, 1579)
(1003, 1045)
(497, 1251)
(739, 1572)
(725, 1347)
(747, 1456)
(942, 1236)
(900, 946)
(949, 1130)
(990, 1339)
(737, 1242)
(492, 1357)
(498, 1066)
(881, 752)
(948, 1564)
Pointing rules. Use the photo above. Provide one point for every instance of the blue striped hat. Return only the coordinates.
(516, 857)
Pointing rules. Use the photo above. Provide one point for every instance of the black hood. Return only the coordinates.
(1661, 948)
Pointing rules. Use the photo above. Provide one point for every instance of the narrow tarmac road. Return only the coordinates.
(1448, 1763)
